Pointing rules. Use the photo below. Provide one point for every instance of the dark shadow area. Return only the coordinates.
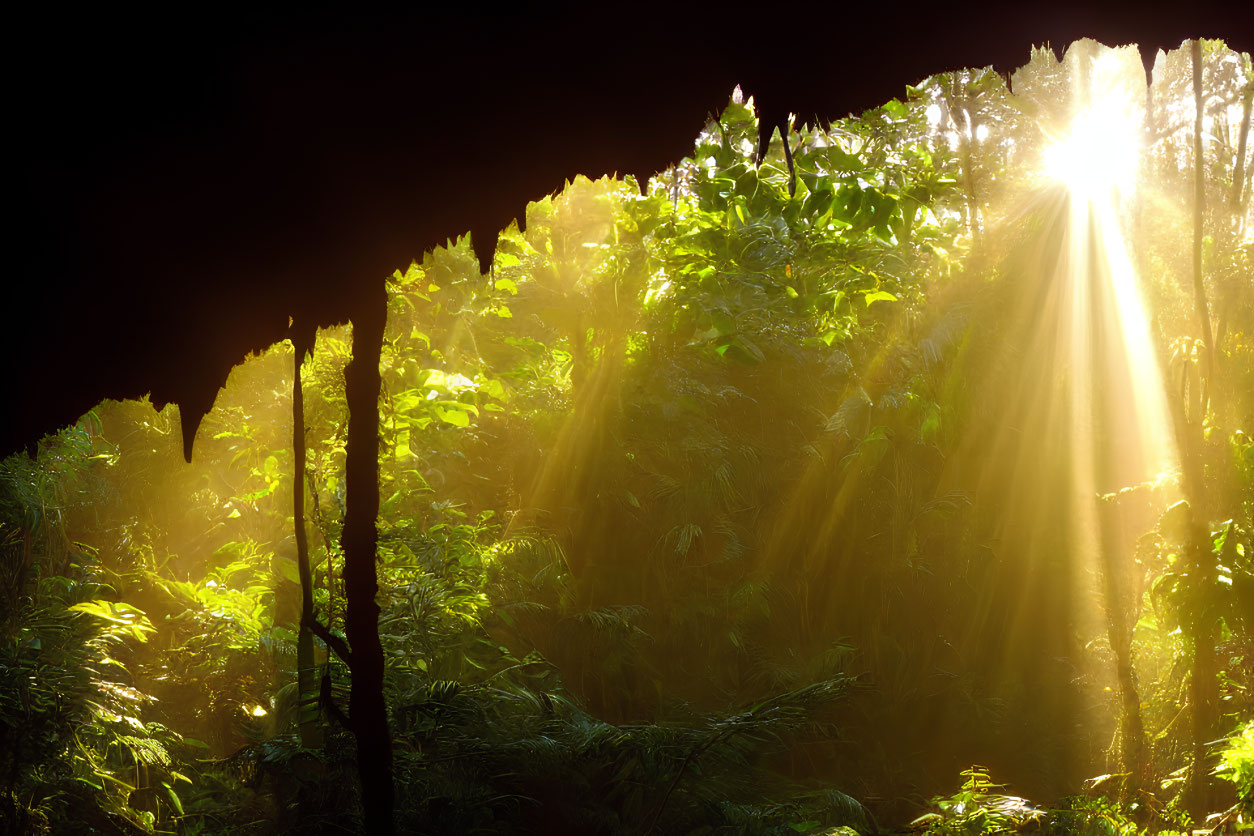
(186, 183)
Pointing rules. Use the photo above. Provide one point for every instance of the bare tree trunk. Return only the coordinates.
(1238, 166)
(367, 711)
(1202, 685)
(307, 684)
(1233, 288)
(1199, 204)
(1133, 746)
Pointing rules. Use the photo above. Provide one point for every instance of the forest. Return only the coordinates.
(898, 479)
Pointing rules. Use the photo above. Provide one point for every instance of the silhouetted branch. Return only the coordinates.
(330, 639)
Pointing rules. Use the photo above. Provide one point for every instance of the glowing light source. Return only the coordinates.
(1100, 151)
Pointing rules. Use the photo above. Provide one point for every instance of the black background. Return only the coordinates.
(183, 180)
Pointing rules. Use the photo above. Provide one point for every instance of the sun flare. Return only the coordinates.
(1099, 152)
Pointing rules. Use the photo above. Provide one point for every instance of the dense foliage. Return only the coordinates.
(728, 503)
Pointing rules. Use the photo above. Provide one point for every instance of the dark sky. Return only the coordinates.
(184, 181)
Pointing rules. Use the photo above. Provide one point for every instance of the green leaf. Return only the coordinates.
(401, 449)
(287, 569)
(843, 160)
(896, 109)
(879, 296)
(173, 798)
(494, 388)
(456, 417)
(128, 620)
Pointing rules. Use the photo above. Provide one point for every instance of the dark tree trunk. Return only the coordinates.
(307, 713)
(367, 711)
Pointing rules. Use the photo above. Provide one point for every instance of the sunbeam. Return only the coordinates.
(1083, 417)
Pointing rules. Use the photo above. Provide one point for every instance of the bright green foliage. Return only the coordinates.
(74, 729)
(978, 809)
(1236, 764)
(121, 620)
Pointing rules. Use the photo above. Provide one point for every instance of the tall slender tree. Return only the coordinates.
(307, 714)
(1202, 696)
(367, 711)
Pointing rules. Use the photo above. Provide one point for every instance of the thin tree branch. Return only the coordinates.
(338, 645)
